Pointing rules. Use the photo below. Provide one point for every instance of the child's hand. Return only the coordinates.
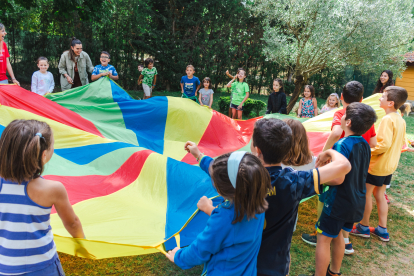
(201, 104)
(323, 159)
(227, 72)
(236, 76)
(209, 106)
(205, 205)
(240, 107)
(192, 148)
(170, 254)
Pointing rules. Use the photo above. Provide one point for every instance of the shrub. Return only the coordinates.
(251, 107)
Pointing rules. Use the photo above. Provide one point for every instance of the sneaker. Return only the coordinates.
(310, 238)
(348, 249)
(384, 237)
(386, 198)
(330, 273)
(371, 229)
(357, 231)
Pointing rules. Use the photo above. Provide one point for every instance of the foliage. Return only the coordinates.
(251, 107)
(309, 36)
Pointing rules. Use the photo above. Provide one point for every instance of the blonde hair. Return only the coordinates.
(192, 67)
(338, 104)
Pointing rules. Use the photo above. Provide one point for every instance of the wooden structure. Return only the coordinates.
(407, 80)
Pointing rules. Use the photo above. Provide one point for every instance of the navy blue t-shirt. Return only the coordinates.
(190, 85)
(289, 187)
(346, 202)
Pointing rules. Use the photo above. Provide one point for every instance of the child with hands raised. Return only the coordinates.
(231, 239)
(240, 93)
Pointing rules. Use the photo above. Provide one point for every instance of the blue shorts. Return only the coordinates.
(331, 227)
(4, 82)
(55, 269)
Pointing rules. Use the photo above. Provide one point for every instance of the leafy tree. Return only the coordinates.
(319, 34)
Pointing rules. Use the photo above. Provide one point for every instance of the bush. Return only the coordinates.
(251, 107)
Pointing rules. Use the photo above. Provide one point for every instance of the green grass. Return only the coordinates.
(372, 257)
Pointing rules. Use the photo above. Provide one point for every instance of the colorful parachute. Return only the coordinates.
(123, 162)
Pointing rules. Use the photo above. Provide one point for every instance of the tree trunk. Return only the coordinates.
(299, 84)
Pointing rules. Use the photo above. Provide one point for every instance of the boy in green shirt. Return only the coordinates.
(150, 78)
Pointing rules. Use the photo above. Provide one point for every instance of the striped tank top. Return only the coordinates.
(26, 239)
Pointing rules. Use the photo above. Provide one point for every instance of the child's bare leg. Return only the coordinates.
(239, 114)
(323, 257)
(338, 251)
(381, 205)
(230, 112)
(368, 204)
(345, 234)
(233, 113)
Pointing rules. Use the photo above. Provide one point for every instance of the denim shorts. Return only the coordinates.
(55, 269)
(4, 82)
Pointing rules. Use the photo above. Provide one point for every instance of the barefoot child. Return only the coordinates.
(276, 102)
(308, 106)
(149, 75)
(345, 200)
(230, 242)
(26, 200)
(206, 93)
(42, 80)
(190, 84)
(384, 161)
(332, 102)
(271, 142)
(105, 69)
(239, 92)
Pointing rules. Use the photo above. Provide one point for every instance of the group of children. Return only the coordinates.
(356, 163)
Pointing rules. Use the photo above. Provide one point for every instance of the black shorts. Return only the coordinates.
(378, 180)
(236, 107)
(331, 227)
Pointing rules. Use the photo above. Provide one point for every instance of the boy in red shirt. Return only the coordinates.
(351, 93)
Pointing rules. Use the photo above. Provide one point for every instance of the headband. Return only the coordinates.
(233, 166)
(334, 94)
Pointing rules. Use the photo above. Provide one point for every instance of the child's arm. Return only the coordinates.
(199, 99)
(65, 211)
(34, 83)
(182, 88)
(211, 100)
(333, 137)
(300, 108)
(198, 88)
(206, 205)
(373, 142)
(228, 74)
(154, 83)
(245, 99)
(384, 137)
(139, 79)
(333, 167)
(115, 75)
(269, 105)
(52, 85)
(315, 106)
(283, 107)
(229, 84)
(96, 77)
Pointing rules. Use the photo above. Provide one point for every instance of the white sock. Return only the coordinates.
(388, 186)
(346, 240)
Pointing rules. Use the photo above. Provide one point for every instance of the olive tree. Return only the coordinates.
(307, 36)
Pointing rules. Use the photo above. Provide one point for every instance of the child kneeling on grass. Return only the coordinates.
(271, 142)
(384, 161)
(26, 201)
(230, 242)
(345, 200)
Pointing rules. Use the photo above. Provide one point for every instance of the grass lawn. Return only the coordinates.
(372, 257)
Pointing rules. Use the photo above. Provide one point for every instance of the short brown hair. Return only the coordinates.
(311, 89)
(252, 185)
(299, 153)
(192, 67)
(396, 94)
(21, 150)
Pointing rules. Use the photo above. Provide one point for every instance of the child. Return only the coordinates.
(25, 147)
(190, 84)
(345, 200)
(332, 102)
(230, 242)
(351, 93)
(231, 96)
(276, 102)
(140, 67)
(5, 64)
(149, 75)
(240, 93)
(308, 106)
(105, 68)
(206, 93)
(42, 80)
(271, 142)
(384, 161)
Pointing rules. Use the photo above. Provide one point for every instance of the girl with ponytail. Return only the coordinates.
(74, 66)
(26, 200)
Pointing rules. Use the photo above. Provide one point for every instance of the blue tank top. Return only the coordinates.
(26, 238)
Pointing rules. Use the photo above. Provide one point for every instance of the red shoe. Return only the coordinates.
(371, 229)
(386, 198)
